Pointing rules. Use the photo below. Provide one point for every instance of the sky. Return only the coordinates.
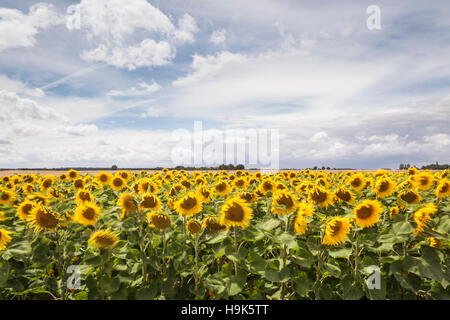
(102, 82)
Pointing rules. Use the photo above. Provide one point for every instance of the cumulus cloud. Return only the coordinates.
(115, 23)
(218, 37)
(142, 89)
(19, 30)
(23, 117)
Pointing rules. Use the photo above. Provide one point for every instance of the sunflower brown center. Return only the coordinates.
(188, 203)
(160, 221)
(46, 219)
(334, 229)
(89, 213)
(27, 208)
(117, 182)
(364, 212)
(221, 187)
(247, 196)
(149, 202)
(319, 196)
(286, 201)
(72, 174)
(267, 186)
(343, 195)
(4, 196)
(103, 178)
(356, 182)
(78, 184)
(409, 196)
(383, 186)
(186, 184)
(47, 183)
(444, 188)
(104, 241)
(235, 213)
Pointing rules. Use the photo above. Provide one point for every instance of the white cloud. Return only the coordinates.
(19, 30)
(218, 37)
(147, 54)
(23, 117)
(319, 137)
(18, 86)
(142, 89)
(186, 29)
(115, 24)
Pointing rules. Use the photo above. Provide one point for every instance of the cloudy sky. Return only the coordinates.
(114, 89)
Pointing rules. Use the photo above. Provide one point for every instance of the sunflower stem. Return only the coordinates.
(235, 251)
(196, 261)
(164, 251)
(356, 257)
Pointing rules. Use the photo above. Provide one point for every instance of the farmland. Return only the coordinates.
(225, 235)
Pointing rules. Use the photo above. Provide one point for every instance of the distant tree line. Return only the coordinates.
(434, 166)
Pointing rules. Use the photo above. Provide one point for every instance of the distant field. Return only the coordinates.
(93, 172)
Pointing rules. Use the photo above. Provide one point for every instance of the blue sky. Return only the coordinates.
(114, 90)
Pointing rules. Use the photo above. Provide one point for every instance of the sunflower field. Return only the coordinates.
(225, 235)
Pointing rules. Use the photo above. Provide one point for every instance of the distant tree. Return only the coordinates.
(323, 167)
(240, 167)
(402, 166)
(315, 168)
(328, 168)
(114, 167)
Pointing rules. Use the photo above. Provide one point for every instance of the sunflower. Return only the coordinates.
(336, 231)
(42, 218)
(266, 186)
(127, 203)
(125, 175)
(393, 212)
(28, 188)
(283, 202)
(146, 185)
(410, 196)
(412, 171)
(87, 214)
(422, 180)
(6, 197)
(72, 174)
(300, 223)
(222, 188)
(103, 239)
(212, 224)
(186, 183)
(104, 178)
(5, 238)
(150, 201)
(384, 187)
(117, 183)
(62, 177)
(83, 196)
(47, 181)
(240, 183)
(443, 189)
(193, 226)
(24, 210)
(78, 183)
(205, 194)
(367, 213)
(159, 220)
(423, 216)
(235, 212)
(343, 194)
(320, 197)
(188, 205)
(175, 190)
(357, 181)
(2, 216)
(248, 197)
